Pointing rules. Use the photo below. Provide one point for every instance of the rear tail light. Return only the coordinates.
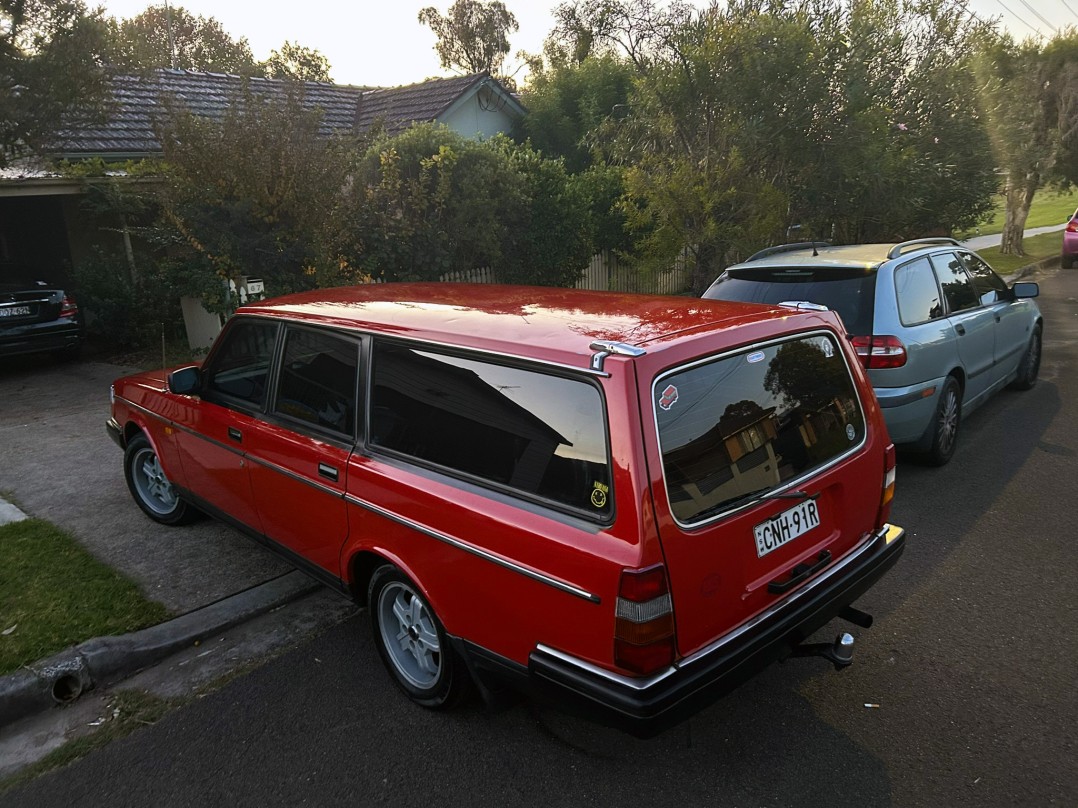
(644, 628)
(880, 351)
(1072, 226)
(888, 492)
(68, 307)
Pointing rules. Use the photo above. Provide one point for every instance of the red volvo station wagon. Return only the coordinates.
(622, 504)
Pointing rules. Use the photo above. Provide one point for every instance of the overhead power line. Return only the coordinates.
(1038, 16)
(1032, 28)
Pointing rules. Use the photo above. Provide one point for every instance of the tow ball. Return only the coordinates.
(840, 652)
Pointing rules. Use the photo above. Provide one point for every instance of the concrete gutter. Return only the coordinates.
(64, 677)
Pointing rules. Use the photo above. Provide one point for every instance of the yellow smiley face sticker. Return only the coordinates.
(598, 495)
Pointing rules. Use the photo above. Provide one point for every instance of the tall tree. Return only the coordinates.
(473, 36)
(297, 63)
(163, 36)
(51, 71)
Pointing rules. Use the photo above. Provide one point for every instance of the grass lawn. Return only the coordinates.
(1036, 247)
(1048, 207)
(54, 594)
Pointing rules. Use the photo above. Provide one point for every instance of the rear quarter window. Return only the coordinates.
(736, 426)
(533, 432)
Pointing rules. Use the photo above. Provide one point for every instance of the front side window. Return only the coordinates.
(318, 380)
(953, 278)
(527, 430)
(918, 295)
(239, 368)
(735, 427)
(990, 287)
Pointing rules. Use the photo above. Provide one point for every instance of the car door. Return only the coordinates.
(1012, 317)
(974, 325)
(299, 455)
(216, 424)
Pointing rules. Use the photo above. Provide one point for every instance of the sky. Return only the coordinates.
(383, 43)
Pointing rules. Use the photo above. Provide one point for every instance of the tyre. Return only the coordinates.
(150, 487)
(412, 642)
(945, 423)
(1030, 365)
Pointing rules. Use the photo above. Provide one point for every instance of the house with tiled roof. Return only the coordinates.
(42, 228)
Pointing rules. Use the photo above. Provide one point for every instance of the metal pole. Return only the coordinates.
(171, 41)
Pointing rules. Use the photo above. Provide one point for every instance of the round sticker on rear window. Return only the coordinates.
(754, 357)
(851, 433)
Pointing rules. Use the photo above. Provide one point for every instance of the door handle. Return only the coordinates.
(328, 472)
(235, 434)
(961, 329)
(800, 573)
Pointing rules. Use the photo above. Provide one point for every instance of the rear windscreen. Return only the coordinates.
(735, 427)
(850, 292)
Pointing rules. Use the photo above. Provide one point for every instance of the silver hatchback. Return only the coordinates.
(937, 329)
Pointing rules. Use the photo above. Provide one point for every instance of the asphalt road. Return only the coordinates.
(973, 663)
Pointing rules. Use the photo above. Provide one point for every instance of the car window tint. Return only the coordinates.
(957, 287)
(534, 432)
(990, 287)
(239, 368)
(738, 426)
(849, 291)
(918, 294)
(317, 383)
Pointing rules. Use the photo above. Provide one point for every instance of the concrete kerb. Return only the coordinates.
(106, 660)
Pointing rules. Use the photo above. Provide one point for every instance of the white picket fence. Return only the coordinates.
(604, 273)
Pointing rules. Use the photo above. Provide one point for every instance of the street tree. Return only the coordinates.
(473, 36)
(297, 63)
(52, 73)
(164, 36)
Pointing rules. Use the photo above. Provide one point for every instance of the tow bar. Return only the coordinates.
(840, 652)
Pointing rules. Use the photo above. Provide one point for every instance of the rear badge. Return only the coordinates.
(669, 397)
(851, 433)
(754, 357)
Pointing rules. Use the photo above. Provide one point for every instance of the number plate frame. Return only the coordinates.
(785, 527)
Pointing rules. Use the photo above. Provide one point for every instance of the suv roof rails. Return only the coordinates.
(781, 248)
(897, 250)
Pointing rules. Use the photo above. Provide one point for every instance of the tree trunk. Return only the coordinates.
(1019, 193)
(706, 267)
(129, 250)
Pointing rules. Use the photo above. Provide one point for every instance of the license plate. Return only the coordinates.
(14, 311)
(786, 526)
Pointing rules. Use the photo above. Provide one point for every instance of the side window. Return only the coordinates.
(957, 287)
(990, 286)
(317, 384)
(239, 369)
(918, 295)
(534, 432)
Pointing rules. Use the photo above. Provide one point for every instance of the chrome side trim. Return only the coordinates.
(867, 544)
(299, 478)
(543, 578)
(610, 676)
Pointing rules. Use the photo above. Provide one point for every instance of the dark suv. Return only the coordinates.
(938, 331)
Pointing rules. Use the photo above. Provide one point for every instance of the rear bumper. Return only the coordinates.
(58, 335)
(909, 411)
(647, 707)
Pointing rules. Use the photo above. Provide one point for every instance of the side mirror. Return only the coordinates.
(1026, 289)
(185, 381)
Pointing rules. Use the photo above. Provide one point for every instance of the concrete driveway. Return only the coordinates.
(57, 463)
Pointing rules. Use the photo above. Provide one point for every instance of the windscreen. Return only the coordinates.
(735, 427)
(849, 292)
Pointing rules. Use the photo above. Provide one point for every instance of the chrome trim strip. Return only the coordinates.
(476, 551)
(869, 542)
(430, 343)
(299, 478)
(617, 678)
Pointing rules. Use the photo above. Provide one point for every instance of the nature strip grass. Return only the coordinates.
(54, 594)
(1048, 207)
(1037, 248)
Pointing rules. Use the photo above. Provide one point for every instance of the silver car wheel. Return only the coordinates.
(947, 426)
(410, 635)
(154, 488)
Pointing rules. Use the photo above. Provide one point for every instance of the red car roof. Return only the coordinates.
(556, 324)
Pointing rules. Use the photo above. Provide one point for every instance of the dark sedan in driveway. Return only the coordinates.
(36, 315)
